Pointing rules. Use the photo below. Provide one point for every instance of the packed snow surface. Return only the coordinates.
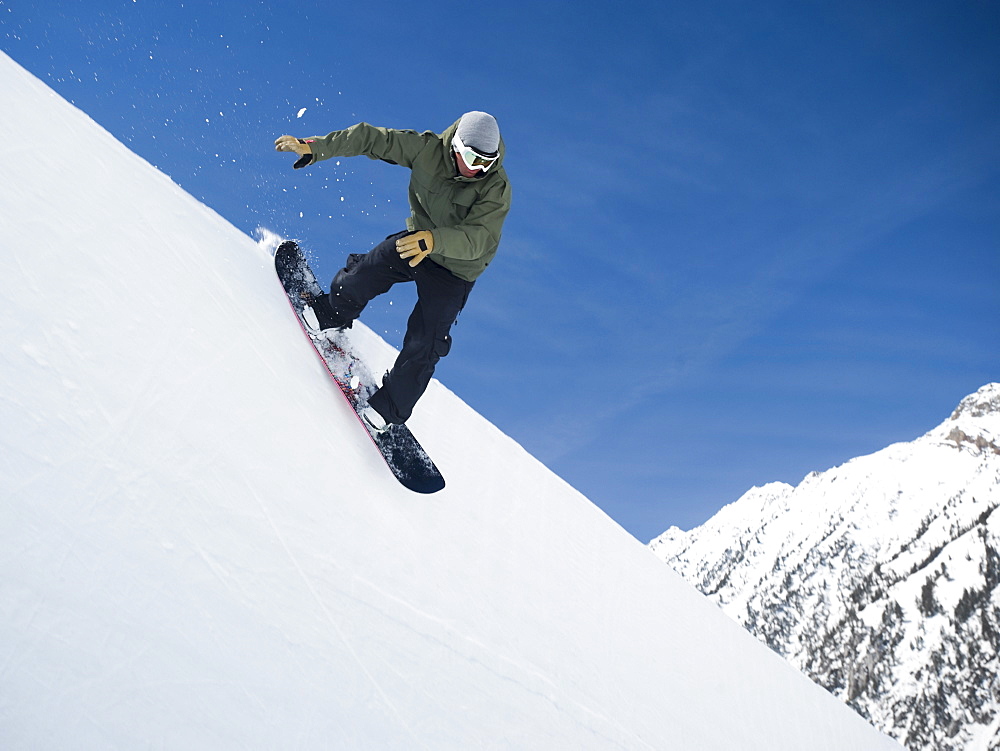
(200, 549)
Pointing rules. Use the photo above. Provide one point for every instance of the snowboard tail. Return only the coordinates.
(403, 454)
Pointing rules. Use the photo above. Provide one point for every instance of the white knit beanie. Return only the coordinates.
(480, 131)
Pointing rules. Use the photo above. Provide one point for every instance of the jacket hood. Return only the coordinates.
(446, 139)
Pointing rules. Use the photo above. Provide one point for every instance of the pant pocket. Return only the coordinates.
(442, 345)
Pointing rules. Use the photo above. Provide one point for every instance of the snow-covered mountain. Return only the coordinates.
(877, 578)
(200, 549)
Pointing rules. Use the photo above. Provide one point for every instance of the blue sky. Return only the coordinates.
(748, 241)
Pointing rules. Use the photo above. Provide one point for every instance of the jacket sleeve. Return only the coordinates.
(479, 233)
(395, 146)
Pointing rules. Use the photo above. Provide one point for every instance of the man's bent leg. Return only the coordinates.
(440, 298)
(364, 277)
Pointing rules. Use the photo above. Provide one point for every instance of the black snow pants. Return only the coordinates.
(440, 298)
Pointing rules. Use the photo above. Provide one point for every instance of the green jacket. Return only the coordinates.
(465, 214)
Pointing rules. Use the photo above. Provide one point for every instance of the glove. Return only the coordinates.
(299, 146)
(417, 245)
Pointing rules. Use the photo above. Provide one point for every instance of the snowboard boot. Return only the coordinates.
(319, 317)
(374, 420)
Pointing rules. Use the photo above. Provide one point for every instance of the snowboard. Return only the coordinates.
(404, 456)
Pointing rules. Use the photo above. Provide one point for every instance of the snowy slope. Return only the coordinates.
(878, 578)
(199, 549)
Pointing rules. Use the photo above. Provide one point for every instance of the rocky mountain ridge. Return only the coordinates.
(877, 578)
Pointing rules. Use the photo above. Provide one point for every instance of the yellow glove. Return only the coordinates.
(417, 245)
(299, 146)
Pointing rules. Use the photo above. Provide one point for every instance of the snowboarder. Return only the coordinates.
(459, 197)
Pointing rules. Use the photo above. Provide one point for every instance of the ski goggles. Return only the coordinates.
(472, 158)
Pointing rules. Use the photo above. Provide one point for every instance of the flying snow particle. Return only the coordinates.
(301, 112)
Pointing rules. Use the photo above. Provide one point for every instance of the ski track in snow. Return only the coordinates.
(333, 621)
